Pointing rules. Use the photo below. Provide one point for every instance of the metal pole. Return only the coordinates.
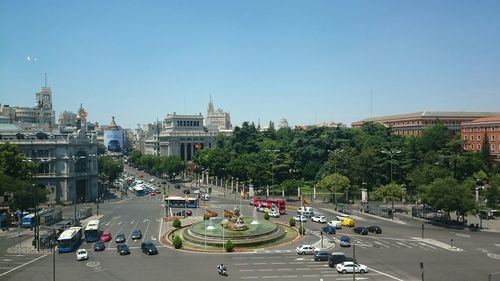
(354, 260)
(54, 262)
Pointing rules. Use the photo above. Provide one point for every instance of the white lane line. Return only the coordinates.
(278, 263)
(147, 227)
(24, 264)
(246, 270)
(381, 244)
(302, 269)
(284, 269)
(269, 277)
(314, 275)
(243, 263)
(250, 277)
(385, 274)
(265, 269)
(427, 245)
(259, 263)
(462, 235)
(402, 244)
(290, 276)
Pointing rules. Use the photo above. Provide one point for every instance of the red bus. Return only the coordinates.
(270, 203)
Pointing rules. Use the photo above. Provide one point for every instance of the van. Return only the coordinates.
(336, 258)
(308, 214)
(335, 224)
(348, 222)
(303, 209)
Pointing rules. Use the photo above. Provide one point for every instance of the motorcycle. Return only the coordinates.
(222, 271)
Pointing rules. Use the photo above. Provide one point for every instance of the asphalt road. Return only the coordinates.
(393, 255)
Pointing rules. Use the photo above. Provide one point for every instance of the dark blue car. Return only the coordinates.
(328, 229)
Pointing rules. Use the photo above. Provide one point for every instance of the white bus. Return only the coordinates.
(69, 240)
(138, 190)
(92, 231)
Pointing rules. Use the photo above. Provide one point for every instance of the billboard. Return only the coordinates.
(113, 140)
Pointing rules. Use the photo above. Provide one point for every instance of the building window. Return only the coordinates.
(478, 137)
(472, 137)
(465, 138)
(493, 147)
(471, 147)
(478, 146)
(492, 137)
(465, 147)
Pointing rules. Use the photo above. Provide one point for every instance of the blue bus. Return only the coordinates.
(138, 190)
(28, 221)
(69, 240)
(181, 202)
(92, 231)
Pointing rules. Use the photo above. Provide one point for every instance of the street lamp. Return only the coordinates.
(54, 245)
(74, 159)
(391, 154)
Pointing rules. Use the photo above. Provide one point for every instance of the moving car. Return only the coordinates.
(99, 246)
(300, 218)
(274, 214)
(196, 191)
(319, 218)
(120, 238)
(303, 209)
(349, 267)
(328, 229)
(360, 230)
(205, 197)
(335, 224)
(184, 213)
(375, 229)
(149, 248)
(122, 249)
(136, 234)
(321, 256)
(345, 241)
(340, 217)
(81, 255)
(305, 250)
(348, 222)
(105, 236)
(336, 258)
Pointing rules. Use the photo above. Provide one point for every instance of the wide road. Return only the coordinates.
(393, 255)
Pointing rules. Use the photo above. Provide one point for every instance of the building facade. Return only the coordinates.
(473, 134)
(412, 124)
(180, 135)
(217, 120)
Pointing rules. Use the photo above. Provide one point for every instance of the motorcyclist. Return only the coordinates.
(222, 268)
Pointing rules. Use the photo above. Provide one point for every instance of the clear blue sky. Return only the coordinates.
(307, 61)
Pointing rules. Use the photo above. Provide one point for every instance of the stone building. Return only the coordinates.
(474, 132)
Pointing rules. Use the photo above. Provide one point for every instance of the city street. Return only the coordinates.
(394, 255)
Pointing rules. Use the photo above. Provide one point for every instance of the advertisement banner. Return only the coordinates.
(113, 140)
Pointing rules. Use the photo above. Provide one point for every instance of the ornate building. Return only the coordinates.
(217, 120)
(474, 133)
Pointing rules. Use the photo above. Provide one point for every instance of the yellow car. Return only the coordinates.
(348, 222)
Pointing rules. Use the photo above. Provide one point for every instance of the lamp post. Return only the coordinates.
(391, 154)
(54, 245)
(75, 159)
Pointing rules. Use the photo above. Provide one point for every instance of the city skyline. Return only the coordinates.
(322, 61)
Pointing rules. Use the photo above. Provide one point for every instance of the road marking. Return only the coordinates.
(153, 238)
(250, 277)
(427, 245)
(278, 263)
(243, 263)
(120, 222)
(313, 275)
(494, 256)
(498, 245)
(289, 276)
(266, 269)
(388, 275)
(246, 270)
(381, 244)
(302, 269)
(93, 264)
(284, 269)
(24, 264)
(259, 263)
(462, 235)
(270, 277)
(402, 244)
(132, 222)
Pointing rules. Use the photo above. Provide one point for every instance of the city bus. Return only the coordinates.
(181, 202)
(138, 190)
(69, 240)
(28, 221)
(271, 203)
(92, 231)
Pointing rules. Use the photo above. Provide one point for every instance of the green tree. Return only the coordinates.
(177, 242)
(333, 183)
(391, 191)
(176, 223)
(448, 195)
(229, 246)
(485, 151)
(109, 168)
(492, 192)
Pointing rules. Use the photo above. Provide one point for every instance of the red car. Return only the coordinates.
(152, 193)
(106, 236)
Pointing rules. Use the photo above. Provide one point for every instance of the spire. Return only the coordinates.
(210, 105)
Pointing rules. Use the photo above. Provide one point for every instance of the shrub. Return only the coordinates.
(302, 230)
(206, 217)
(177, 242)
(266, 216)
(176, 223)
(229, 246)
(291, 222)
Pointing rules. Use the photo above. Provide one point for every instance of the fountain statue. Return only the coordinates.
(235, 221)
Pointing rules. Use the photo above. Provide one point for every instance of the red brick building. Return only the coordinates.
(412, 124)
(473, 133)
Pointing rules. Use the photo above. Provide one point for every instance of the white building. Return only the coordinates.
(217, 120)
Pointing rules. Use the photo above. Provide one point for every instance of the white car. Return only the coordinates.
(300, 218)
(306, 250)
(196, 191)
(274, 214)
(319, 218)
(205, 197)
(348, 266)
(81, 255)
(335, 224)
(341, 217)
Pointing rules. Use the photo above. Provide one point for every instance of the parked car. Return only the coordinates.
(81, 255)
(375, 229)
(321, 256)
(178, 186)
(105, 236)
(196, 191)
(205, 197)
(300, 218)
(336, 258)
(345, 241)
(360, 230)
(99, 246)
(328, 229)
(319, 218)
(122, 249)
(303, 209)
(120, 238)
(335, 224)
(305, 250)
(136, 234)
(350, 267)
(149, 248)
